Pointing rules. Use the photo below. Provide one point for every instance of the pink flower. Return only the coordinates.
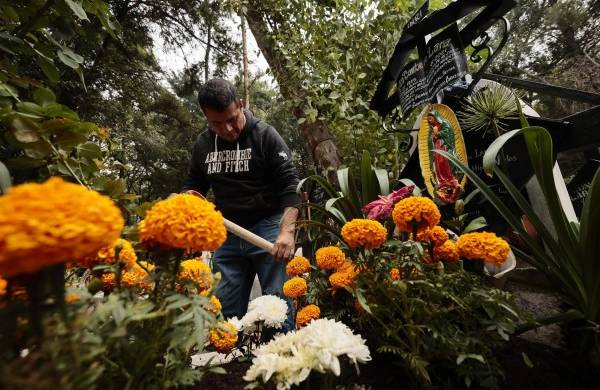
(381, 208)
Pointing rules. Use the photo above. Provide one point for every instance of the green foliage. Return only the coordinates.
(441, 328)
(555, 42)
(126, 339)
(345, 204)
(568, 258)
(334, 54)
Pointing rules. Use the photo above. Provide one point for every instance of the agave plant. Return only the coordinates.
(488, 108)
(569, 259)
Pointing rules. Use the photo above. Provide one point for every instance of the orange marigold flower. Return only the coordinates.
(395, 274)
(436, 234)
(135, 277)
(295, 287)
(197, 272)
(330, 257)
(297, 266)
(307, 314)
(483, 246)
(415, 211)
(341, 279)
(72, 297)
(183, 221)
(109, 281)
(107, 255)
(364, 233)
(447, 252)
(54, 222)
(3, 284)
(223, 337)
(215, 304)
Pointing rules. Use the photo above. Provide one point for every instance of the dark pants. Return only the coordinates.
(239, 261)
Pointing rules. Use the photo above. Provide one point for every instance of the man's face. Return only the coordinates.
(228, 124)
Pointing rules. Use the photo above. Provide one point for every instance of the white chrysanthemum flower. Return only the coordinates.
(236, 322)
(336, 339)
(289, 358)
(268, 308)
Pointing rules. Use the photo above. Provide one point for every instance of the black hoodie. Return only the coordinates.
(251, 178)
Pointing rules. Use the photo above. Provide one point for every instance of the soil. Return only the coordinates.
(551, 369)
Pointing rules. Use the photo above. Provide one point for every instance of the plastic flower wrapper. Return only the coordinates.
(381, 209)
(290, 358)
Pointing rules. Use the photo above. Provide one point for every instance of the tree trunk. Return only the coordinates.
(320, 141)
(245, 62)
(207, 55)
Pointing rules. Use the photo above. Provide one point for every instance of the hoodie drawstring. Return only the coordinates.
(237, 152)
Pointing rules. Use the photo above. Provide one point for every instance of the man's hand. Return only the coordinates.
(284, 246)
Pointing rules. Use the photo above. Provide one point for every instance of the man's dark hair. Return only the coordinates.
(217, 95)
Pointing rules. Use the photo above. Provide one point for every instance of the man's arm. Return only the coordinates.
(286, 179)
(196, 180)
(284, 246)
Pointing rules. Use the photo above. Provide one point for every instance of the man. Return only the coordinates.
(250, 170)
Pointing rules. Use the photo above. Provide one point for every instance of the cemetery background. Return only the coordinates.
(131, 161)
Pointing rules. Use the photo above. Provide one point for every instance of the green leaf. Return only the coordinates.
(67, 139)
(526, 360)
(21, 163)
(475, 224)
(115, 188)
(77, 9)
(67, 60)
(43, 96)
(25, 130)
(334, 95)
(346, 180)
(363, 302)
(38, 150)
(89, 150)
(383, 180)
(5, 181)
(48, 68)
(589, 245)
(462, 357)
(368, 179)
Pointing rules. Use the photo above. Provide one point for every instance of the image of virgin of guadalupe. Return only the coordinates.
(440, 131)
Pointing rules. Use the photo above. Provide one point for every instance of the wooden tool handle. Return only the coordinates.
(247, 235)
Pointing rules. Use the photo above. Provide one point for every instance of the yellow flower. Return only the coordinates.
(415, 211)
(447, 252)
(183, 221)
(364, 233)
(297, 266)
(343, 278)
(330, 257)
(307, 314)
(215, 304)
(295, 287)
(197, 272)
(135, 277)
(223, 337)
(483, 246)
(395, 274)
(436, 234)
(107, 255)
(54, 222)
